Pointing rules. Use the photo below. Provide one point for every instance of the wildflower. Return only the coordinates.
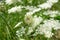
(46, 28)
(36, 21)
(48, 34)
(45, 5)
(52, 1)
(9, 2)
(51, 13)
(28, 19)
(30, 8)
(48, 4)
(52, 23)
(21, 31)
(15, 9)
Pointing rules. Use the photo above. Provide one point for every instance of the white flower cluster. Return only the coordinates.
(52, 1)
(34, 21)
(48, 4)
(32, 9)
(9, 2)
(28, 19)
(20, 32)
(46, 28)
(51, 13)
(15, 9)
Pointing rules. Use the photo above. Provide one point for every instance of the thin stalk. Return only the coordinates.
(8, 33)
(8, 27)
(6, 22)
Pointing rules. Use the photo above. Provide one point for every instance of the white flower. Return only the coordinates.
(28, 19)
(20, 32)
(12, 9)
(48, 34)
(45, 5)
(51, 13)
(30, 8)
(29, 13)
(52, 23)
(8, 2)
(15, 9)
(36, 21)
(46, 28)
(32, 20)
(48, 4)
(36, 10)
(52, 1)
(19, 8)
